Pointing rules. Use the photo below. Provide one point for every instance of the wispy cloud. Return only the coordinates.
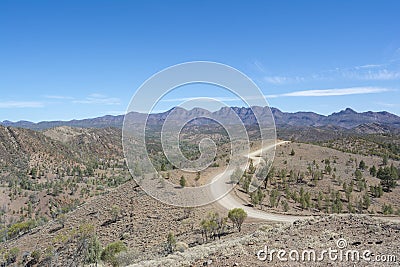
(333, 92)
(380, 74)
(211, 99)
(370, 66)
(283, 79)
(303, 93)
(60, 97)
(98, 99)
(21, 104)
(367, 72)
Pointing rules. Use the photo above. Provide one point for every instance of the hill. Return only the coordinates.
(346, 119)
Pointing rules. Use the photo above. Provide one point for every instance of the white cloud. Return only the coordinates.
(367, 72)
(333, 92)
(21, 104)
(283, 79)
(380, 74)
(99, 99)
(58, 97)
(370, 66)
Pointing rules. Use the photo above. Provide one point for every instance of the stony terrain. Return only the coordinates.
(317, 233)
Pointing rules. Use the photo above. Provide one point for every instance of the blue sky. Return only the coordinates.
(78, 59)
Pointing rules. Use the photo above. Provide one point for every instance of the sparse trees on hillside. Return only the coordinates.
(213, 226)
(257, 197)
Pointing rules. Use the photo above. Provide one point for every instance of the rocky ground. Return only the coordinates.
(373, 238)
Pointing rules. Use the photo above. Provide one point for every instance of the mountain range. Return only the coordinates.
(346, 119)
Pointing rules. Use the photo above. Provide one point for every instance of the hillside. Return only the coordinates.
(44, 175)
(142, 224)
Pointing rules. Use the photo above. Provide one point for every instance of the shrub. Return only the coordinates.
(12, 255)
(36, 254)
(181, 246)
(110, 251)
(182, 181)
(20, 227)
(126, 258)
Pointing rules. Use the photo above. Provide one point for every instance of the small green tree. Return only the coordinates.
(237, 216)
(246, 183)
(387, 209)
(366, 201)
(254, 198)
(385, 160)
(273, 197)
(171, 242)
(362, 165)
(270, 176)
(285, 206)
(182, 181)
(358, 174)
(115, 210)
(372, 170)
(292, 153)
(93, 251)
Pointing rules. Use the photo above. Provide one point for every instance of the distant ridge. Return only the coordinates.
(347, 119)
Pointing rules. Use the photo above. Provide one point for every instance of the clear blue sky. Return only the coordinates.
(79, 59)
